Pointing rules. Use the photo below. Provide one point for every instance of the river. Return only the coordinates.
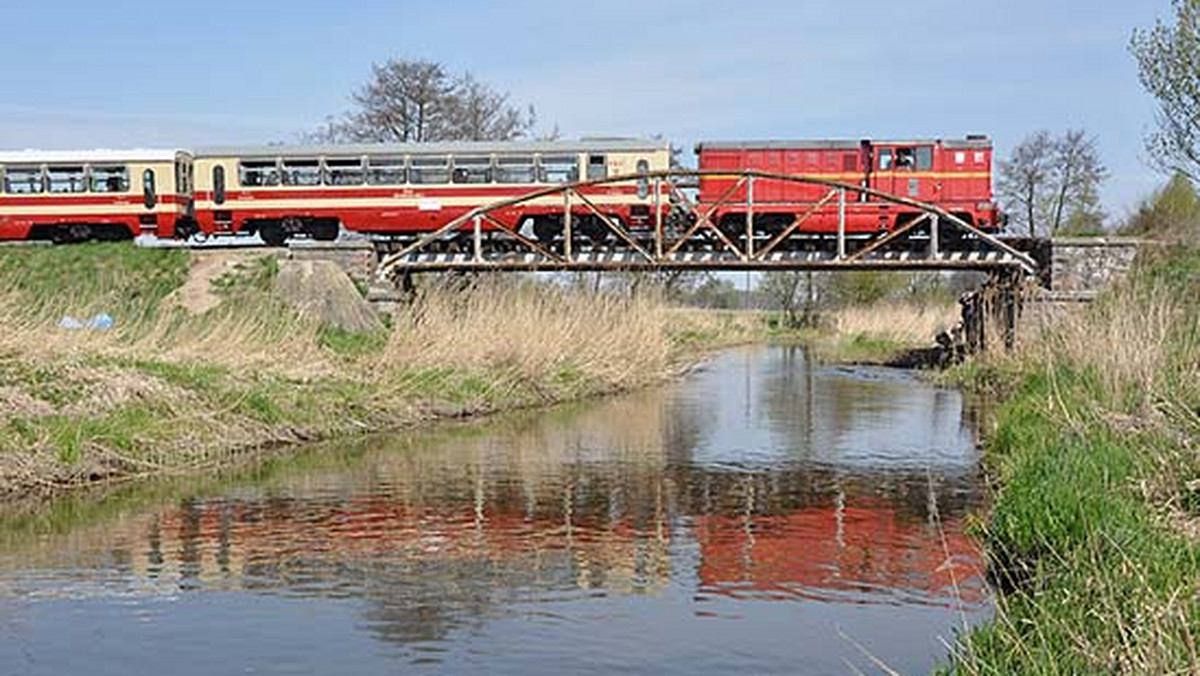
(765, 515)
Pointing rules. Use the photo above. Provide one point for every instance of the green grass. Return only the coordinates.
(121, 279)
(351, 344)
(1091, 478)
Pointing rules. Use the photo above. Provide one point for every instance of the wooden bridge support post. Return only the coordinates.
(934, 244)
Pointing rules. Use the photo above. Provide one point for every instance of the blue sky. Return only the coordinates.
(108, 74)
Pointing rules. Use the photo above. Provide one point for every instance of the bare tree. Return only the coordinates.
(1168, 58)
(1022, 179)
(415, 101)
(480, 113)
(1076, 175)
(1050, 183)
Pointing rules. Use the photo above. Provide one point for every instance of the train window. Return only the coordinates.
(149, 190)
(559, 169)
(301, 172)
(905, 158)
(253, 173)
(472, 170)
(885, 159)
(385, 170)
(430, 169)
(597, 168)
(110, 179)
(516, 169)
(348, 171)
(218, 176)
(67, 179)
(925, 158)
(23, 180)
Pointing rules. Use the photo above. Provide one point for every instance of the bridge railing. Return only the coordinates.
(676, 247)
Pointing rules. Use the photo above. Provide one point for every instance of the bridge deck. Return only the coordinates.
(632, 260)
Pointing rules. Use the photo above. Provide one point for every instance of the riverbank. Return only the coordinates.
(1094, 533)
(109, 371)
(900, 334)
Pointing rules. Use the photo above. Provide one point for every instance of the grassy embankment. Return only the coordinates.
(881, 333)
(167, 391)
(1093, 536)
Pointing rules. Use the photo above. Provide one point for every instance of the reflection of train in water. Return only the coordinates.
(836, 548)
(405, 190)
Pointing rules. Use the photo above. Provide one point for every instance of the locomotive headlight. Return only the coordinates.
(985, 206)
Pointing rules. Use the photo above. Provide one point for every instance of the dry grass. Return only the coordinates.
(903, 323)
(533, 334)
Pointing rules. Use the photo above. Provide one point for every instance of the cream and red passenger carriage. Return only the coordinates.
(67, 196)
(401, 191)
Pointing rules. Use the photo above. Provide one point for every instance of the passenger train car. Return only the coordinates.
(69, 196)
(955, 174)
(404, 190)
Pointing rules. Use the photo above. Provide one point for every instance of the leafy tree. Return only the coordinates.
(1052, 184)
(414, 101)
(1168, 58)
(792, 292)
(864, 287)
(1173, 212)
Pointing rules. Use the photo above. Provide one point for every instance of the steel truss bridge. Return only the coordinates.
(481, 239)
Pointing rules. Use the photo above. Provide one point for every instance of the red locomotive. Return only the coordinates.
(953, 174)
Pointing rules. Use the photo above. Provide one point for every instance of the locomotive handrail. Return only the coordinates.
(476, 215)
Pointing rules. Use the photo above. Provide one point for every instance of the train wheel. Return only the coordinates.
(272, 234)
(546, 229)
(324, 230)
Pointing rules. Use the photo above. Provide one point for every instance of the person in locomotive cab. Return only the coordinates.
(904, 158)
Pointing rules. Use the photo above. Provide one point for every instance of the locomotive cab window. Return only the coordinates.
(905, 158)
(516, 169)
(597, 168)
(346, 171)
(885, 159)
(386, 171)
(67, 179)
(559, 169)
(925, 158)
(23, 180)
(253, 173)
(472, 170)
(435, 169)
(303, 172)
(110, 179)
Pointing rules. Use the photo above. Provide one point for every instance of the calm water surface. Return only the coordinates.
(763, 516)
